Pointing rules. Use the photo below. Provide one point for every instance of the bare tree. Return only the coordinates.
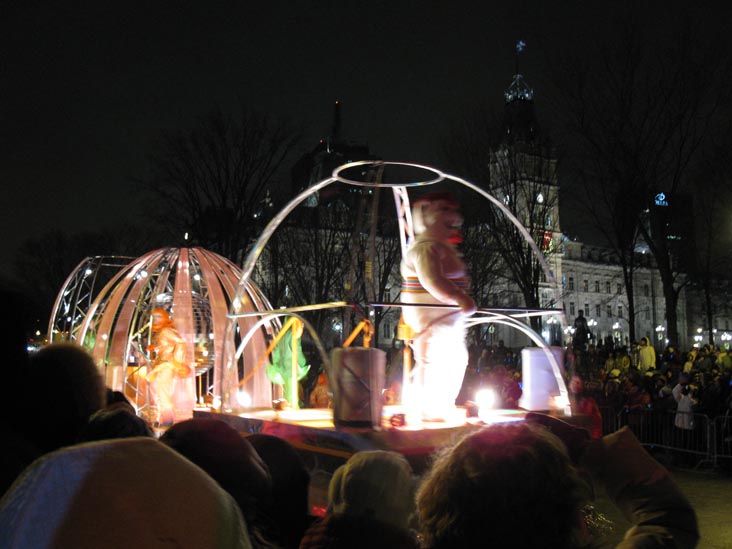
(639, 111)
(710, 258)
(42, 264)
(208, 183)
(520, 171)
(305, 261)
(377, 276)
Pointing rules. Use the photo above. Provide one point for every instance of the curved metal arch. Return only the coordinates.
(525, 233)
(499, 318)
(77, 294)
(337, 174)
(275, 222)
(402, 205)
(267, 319)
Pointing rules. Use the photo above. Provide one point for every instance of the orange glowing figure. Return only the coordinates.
(168, 363)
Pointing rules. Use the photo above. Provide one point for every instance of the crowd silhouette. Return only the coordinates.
(80, 469)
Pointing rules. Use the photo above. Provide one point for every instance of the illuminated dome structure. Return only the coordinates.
(403, 177)
(195, 286)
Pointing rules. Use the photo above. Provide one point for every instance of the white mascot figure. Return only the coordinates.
(433, 272)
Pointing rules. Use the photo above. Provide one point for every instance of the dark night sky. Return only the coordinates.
(87, 87)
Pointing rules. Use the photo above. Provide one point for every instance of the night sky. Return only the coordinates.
(87, 87)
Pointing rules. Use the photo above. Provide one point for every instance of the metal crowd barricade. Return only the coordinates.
(609, 419)
(694, 436)
(722, 426)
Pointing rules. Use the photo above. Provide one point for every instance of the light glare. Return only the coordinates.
(485, 398)
(243, 398)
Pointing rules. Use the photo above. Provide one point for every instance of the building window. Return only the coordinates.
(607, 287)
(598, 310)
(646, 290)
(597, 286)
(609, 311)
(571, 283)
(585, 285)
(648, 314)
(619, 288)
(571, 309)
(620, 311)
(587, 310)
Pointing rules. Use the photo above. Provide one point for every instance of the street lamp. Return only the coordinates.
(591, 325)
(660, 329)
(698, 337)
(617, 336)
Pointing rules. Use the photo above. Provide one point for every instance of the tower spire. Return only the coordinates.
(520, 47)
(519, 118)
(518, 89)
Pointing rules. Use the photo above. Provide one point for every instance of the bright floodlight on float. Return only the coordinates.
(243, 398)
(559, 402)
(486, 400)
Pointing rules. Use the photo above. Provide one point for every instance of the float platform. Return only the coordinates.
(326, 446)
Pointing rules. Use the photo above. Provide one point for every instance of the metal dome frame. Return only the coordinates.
(196, 285)
(512, 318)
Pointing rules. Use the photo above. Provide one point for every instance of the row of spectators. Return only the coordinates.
(80, 469)
(613, 377)
(705, 373)
(95, 476)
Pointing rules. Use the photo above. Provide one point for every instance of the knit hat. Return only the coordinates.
(132, 492)
(223, 453)
(374, 484)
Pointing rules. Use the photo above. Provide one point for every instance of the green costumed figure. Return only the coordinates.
(280, 371)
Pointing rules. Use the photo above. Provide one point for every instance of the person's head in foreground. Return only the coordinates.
(131, 492)
(509, 485)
